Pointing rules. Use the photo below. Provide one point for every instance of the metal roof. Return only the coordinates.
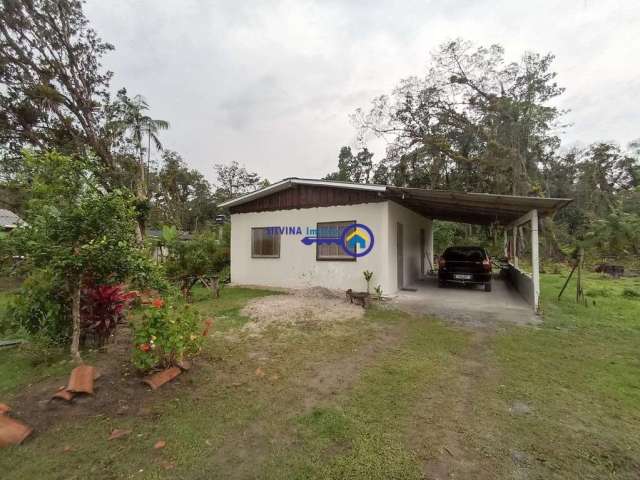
(477, 208)
(289, 182)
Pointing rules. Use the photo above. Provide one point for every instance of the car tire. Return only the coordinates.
(487, 287)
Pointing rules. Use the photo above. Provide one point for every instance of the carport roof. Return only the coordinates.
(477, 208)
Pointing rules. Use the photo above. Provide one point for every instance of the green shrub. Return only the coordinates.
(41, 309)
(224, 276)
(165, 335)
(598, 292)
(631, 293)
(187, 260)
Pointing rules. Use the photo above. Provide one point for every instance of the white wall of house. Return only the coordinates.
(413, 256)
(297, 266)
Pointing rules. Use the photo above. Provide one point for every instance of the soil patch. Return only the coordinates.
(308, 307)
(448, 418)
(118, 391)
(327, 379)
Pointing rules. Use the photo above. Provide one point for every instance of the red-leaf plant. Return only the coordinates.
(102, 309)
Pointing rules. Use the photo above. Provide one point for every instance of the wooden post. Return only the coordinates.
(579, 293)
(567, 282)
(535, 260)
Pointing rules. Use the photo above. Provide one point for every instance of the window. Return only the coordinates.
(265, 243)
(332, 251)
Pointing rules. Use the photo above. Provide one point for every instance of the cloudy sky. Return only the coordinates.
(271, 84)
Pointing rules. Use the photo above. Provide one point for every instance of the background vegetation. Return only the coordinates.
(475, 122)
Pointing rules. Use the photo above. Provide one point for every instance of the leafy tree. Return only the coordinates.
(234, 180)
(353, 168)
(617, 231)
(55, 96)
(603, 171)
(76, 231)
(182, 196)
(188, 261)
(53, 83)
(130, 119)
(474, 122)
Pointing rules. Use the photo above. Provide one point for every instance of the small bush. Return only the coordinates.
(165, 335)
(598, 292)
(224, 276)
(378, 291)
(103, 308)
(201, 256)
(631, 293)
(41, 309)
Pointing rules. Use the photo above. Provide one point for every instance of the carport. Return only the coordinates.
(509, 211)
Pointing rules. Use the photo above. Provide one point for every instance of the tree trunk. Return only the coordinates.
(75, 315)
(141, 195)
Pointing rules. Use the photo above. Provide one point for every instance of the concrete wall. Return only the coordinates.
(523, 282)
(412, 224)
(297, 266)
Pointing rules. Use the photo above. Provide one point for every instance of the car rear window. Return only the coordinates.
(464, 254)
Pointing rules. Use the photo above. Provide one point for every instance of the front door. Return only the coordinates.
(400, 241)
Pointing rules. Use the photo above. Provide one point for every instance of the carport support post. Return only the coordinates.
(531, 216)
(429, 246)
(535, 259)
(514, 247)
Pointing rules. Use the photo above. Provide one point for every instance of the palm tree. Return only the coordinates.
(134, 122)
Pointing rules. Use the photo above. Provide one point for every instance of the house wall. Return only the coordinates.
(297, 266)
(412, 223)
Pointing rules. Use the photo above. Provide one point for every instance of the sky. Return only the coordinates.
(271, 84)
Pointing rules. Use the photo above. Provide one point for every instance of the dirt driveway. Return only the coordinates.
(468, 306)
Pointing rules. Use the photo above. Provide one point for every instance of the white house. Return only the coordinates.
(300, 232)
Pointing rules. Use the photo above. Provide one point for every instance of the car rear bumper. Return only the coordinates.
(475, 278)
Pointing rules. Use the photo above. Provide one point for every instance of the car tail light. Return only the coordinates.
(442, 263)
(486, 264)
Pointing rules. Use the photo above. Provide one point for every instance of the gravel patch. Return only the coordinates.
(311, 306)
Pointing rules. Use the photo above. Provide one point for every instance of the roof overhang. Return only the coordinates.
(289, 182)
(475, 208)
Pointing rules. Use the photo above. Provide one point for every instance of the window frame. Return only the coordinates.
(265, 256)
(346, 257)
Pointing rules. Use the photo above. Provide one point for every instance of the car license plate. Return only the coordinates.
(462, 277)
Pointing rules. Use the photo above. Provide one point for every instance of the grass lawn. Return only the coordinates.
(387, 396)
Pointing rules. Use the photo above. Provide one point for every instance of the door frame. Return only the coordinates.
(400, 254)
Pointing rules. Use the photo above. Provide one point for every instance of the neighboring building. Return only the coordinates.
(160, 250)
(298, 233)
(8, 220)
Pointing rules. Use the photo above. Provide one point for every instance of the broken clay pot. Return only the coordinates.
(184, 365)
(119, 433)
(64, 394)
(156, 380)
(12, 432)
(81, 379)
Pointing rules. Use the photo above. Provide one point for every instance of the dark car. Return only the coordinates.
(465, 266)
